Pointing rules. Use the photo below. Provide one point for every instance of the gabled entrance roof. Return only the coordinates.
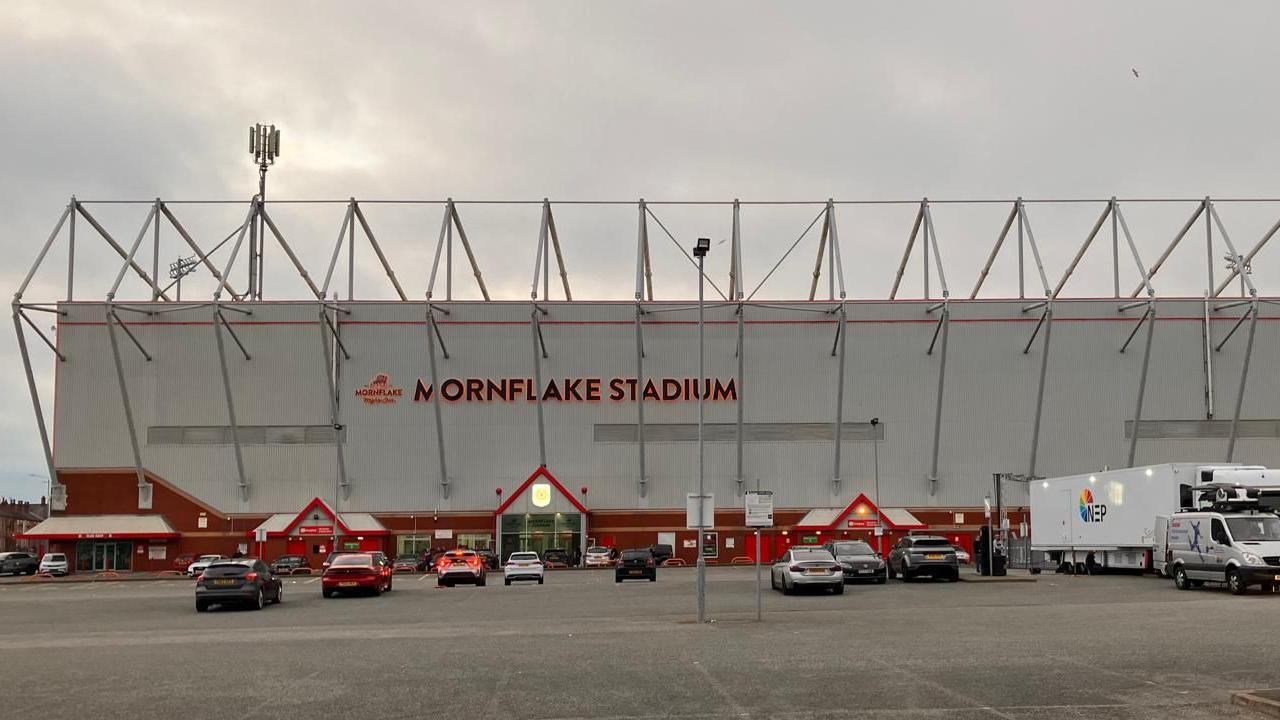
(541, 472)
(860, 511)
(286, 524)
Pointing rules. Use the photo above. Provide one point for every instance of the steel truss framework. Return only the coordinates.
(258, 223)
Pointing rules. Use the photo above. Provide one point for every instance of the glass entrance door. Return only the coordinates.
(540, 533)
(99, 556)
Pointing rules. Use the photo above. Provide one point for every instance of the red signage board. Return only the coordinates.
(870, 523)
(315, 530)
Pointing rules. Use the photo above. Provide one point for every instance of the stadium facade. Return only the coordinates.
(312, 425)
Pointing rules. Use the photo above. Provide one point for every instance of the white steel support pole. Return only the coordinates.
(1115, 247)
(71, 251)
(1207, 336)
(702, 521)
(124, 400)
(1208, 240)
(1244, 378)
(35, 403)
(759, 602)
(155, 255)
(537, 381)
(231, 406)
(1044, 373)
(1142, 384)
(435, 400)
(924, 210)
(641, 234)
(1022, 274)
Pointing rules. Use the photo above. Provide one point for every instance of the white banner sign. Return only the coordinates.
(700, 516)
(759, 505)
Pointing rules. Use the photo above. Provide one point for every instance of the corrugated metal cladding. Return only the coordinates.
(790, 381)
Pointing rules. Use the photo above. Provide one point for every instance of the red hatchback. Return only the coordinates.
(356, 572)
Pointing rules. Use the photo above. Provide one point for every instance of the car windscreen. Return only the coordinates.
(853, 548)
(56, 557)
(635, 555)
(523, 556)
(597, 550)
(1254, 529)
(932, 543)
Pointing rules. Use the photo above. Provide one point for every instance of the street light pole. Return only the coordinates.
(700, 250)
(875, 454)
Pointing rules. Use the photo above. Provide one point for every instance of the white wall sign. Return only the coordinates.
(728, 543)
(202, 522)
(444, 534)
(689, 543)
(667, 538)
(155, 552)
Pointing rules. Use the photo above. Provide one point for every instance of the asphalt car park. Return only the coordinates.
(1060, 647)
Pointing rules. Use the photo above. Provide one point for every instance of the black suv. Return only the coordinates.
(489, 558)
(636, 565)
(661, 553)
(930, 555)
(559, 556)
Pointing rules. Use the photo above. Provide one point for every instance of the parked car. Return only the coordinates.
(354, 572)
(55, 564)
(962, 555)
(182, 562)
(807, 567)
(242, 581)
(858, 561)
(636, 565)
(489, 558)
(917, 555)
(463, 566)
(198, 565)
(556, 557)
(289, 564)
(19, 563)
(522, 565)
(405, 563)
(597, 556)
(661, 553)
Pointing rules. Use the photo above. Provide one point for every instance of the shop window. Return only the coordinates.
(412, 544)
(475, 541)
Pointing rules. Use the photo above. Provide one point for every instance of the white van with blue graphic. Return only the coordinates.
(1236, 548)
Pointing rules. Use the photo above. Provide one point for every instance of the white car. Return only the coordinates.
(962, 555)
(522, 566)
(597, 556)
(54, 564)
(201, 563)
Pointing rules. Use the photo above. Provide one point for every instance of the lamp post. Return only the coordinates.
(875, 454)
(700, 251)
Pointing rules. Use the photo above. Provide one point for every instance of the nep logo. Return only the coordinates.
(1090, 511)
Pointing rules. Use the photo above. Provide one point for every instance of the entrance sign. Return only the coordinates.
(315, 530)
(700, 515)
(759, 506)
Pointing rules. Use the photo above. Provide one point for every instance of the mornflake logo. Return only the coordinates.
(1089, 510)
(380, 391)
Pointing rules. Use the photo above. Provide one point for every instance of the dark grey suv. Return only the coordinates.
(918, 555)
(19, 563)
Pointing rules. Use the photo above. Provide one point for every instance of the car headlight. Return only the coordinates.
(1251, 559)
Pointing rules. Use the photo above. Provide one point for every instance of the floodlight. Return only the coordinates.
(702, 248)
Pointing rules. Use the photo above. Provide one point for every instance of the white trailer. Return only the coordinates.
(1112, 514)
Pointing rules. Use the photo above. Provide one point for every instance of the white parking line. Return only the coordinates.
(313, 580)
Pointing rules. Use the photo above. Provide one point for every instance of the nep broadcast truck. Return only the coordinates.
(1113, 514)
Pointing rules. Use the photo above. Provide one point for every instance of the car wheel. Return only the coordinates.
(1235, 583)
(326, 593)
(506, 581)
(539, 581)
(838, 590)
(259, 601)
(202, 606)
(481, 581)
(890, 573)
(1180, 579)
(279, 594)
(905, 576)
(881, 580)
(617, 579)
(954, 576)
(653, 578)
(786, 589)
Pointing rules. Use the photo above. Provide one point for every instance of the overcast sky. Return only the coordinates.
(616, 101)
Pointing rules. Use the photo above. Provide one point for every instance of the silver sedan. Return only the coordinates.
(807, 567)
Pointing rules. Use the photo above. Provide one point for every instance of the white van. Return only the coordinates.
(1238, 548)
